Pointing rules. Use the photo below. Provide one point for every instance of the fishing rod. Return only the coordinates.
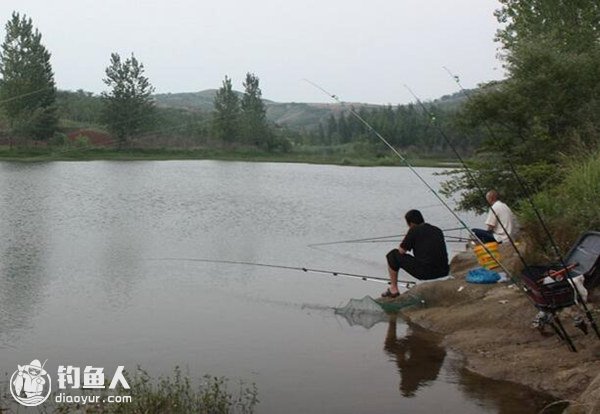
(520, 181)
(443, 202)
(481, 191)
(274, 266)
(415, 172)
(370, 238)
(509, 237)
(453, 239)
(527, 195)
(468, 172)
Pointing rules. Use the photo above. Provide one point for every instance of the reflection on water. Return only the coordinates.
(422, 365)
(418, 355)
(493, 393)
(80, 283)
(420, 358)
(25, 232)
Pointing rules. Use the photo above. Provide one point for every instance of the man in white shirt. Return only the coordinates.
(500, 225)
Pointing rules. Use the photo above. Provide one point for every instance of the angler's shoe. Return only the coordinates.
(388, 294)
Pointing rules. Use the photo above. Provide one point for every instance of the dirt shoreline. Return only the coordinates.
(490, 326)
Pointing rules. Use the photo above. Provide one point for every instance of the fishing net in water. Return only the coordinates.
(364, 312)
(367, 312)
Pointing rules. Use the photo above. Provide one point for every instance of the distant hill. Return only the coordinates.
(85, 107)
(293, 115)
(202, 100)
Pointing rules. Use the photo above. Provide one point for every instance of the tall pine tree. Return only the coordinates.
(254, 114)
(226, 115)
(27, 88)
(128, 107)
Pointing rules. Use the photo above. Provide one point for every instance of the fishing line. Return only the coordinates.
(509, 237)
(513, 170)
(468, 172)
(443, 202)
(527, 195)
(23, 95)
(274, 266)
(453, 239)
(347, 255)
(414, 171)
(370, 238)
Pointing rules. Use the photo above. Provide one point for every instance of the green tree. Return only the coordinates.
(27, 88)
(80, 106)
(546, 111)
(570, 25)
(128, 108)
(332, 129)
(254, 114)
(226, 115)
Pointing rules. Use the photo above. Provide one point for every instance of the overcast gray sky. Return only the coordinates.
(363, 51)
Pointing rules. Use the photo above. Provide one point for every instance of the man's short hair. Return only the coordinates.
(414, 217)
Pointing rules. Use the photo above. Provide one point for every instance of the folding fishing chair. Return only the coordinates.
(582, 259)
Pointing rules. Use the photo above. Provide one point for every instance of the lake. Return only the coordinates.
(99, 266)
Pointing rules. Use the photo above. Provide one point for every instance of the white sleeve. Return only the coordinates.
(491, 219)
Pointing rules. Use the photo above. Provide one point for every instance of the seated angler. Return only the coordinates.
(430, 260)
(500, 221)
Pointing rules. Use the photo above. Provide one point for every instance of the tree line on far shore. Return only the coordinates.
(32, 106)
(33, 110)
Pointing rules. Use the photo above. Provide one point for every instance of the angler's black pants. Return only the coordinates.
(414, 267)
(485, 236)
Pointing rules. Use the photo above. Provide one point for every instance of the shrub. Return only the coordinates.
(81, 141)
(568, 209)
(58, 140)
(174, 394)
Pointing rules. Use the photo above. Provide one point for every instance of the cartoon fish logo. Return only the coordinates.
(30, 385)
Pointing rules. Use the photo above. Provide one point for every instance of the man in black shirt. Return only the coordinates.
(430, 260)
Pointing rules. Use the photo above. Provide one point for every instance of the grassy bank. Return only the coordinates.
(296, 156)
(568, 210)
(175, 394)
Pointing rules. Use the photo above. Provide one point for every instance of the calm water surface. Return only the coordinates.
(84, 280)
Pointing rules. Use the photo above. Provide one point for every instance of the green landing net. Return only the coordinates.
(368, 312)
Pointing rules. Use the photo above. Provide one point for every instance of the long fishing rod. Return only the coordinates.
(518, 282)
(274, 266)
(481, 191)
(529, 198)
(468, 172)
(416, 173)
(520, 181)
(370, 238)
(443, 202)
(453, 239)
